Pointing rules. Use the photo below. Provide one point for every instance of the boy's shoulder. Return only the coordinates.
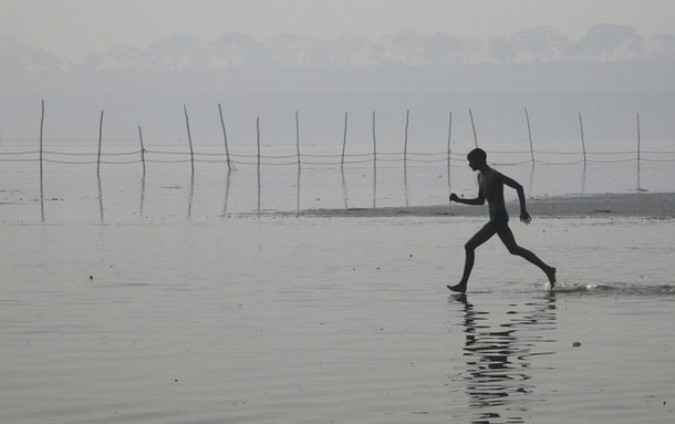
(492, 173)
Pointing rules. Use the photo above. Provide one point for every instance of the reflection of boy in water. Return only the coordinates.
(491, 188)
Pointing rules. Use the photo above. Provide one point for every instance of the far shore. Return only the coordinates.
(625, 205)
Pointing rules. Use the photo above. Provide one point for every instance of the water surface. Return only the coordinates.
(334, 320)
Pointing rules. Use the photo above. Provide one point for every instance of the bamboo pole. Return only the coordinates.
(297, 137)
(100, 143)
(192, 152)
(473, 126)
(192, 162)
(98, 167)
(639, 152)
(297, 147)
(140, 137)
(42, 192)
(405, 142)
(449, 152)
(344, 141)
(374, 142)
(583, 141)
(639, 140)
(449, 137)
(374, 164)
(257, 127)
(529, 134)
(227, 148)
(405, 158)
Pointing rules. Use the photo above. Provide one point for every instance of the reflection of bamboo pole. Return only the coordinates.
(344, 188)
(227, 190)
(192, 194)
(583, 141)
(297, 191)
(42, 192)
(227, 148)
(405, 186)
(529, 134)
(473, 126)
(405, 142)
(192, 153)
(344, 141)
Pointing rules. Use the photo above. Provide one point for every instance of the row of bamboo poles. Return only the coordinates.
(298, 152)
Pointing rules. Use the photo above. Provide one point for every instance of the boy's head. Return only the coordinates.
(477, 158)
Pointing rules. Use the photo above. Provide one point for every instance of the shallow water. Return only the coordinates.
(287, 320)
(168, 190)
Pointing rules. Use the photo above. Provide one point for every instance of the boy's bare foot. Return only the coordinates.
(551, 276)
(459, 288)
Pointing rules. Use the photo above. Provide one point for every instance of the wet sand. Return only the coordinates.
(636, 205)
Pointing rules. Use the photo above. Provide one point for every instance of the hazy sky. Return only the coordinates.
(71, 28)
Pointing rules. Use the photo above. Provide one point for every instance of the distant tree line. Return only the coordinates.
(601, 43)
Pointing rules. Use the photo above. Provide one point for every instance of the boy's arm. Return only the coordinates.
(524, 216)
(480, 200)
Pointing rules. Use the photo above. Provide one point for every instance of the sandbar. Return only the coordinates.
(626, 205)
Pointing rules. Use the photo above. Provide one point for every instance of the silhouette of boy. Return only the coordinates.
(491, 188)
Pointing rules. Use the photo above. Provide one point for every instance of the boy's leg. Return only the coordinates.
(479, 238)
(506, 235)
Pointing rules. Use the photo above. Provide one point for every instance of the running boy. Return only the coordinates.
(491, 188)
